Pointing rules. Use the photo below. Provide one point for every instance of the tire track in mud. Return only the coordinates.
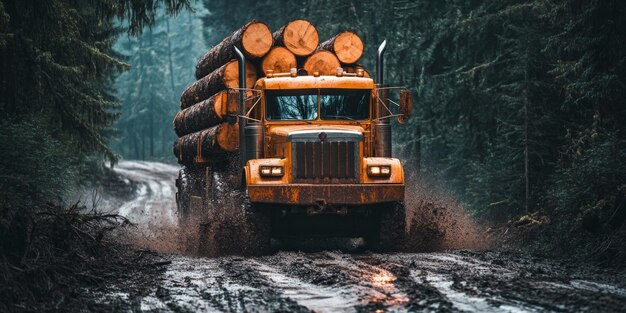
(486, 283)
(407, 282)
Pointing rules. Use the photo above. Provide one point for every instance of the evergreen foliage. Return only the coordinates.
(162, 63)
(55, 88)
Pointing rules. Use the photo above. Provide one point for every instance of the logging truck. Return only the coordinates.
(314, 155)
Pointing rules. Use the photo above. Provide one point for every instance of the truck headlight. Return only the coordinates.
(379, 170)
(271, 171)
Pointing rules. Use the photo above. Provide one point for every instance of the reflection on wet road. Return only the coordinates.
(406, 282)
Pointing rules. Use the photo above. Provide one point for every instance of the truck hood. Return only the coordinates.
(285, 133)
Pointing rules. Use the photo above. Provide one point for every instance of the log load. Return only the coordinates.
(253, 39)
(224, 77)
(348, 47)
(205, 114)
(323, 62)
(214, 144)
(279, 60)
(298, 36)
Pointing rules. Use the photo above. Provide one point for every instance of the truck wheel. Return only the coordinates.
(258, 227)
(390, 234)
(183, 195)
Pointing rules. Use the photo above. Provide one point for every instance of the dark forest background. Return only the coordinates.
(519, 104)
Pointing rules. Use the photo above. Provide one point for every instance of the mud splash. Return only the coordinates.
(437, 221)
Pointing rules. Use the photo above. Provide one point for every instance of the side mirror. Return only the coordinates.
(406, 106)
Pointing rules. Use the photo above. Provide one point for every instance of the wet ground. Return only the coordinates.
(335, 281)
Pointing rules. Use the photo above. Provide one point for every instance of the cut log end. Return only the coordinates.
(257, 39)
(323, 62)
(231, 75)
(348, 47)
(300, 37)
(279, 60)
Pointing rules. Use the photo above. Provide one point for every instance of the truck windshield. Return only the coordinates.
(334, 104)
(289, 105)
(344, 104)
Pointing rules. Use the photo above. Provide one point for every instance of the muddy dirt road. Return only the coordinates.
(334, 281)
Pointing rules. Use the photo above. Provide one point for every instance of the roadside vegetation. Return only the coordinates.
(57, 107)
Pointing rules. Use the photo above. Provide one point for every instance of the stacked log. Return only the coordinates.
(205, 114)
(213, 144)
(298, 36)
(209, 104)
(322, 62)
(278, 60)
(223, 78)
(253, 39)
(347, 46)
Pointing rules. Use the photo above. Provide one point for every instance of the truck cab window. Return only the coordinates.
(289, 105)
(344, 104)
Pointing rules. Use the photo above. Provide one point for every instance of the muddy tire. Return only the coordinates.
(390, 235)
(258, 227)
(183, 196)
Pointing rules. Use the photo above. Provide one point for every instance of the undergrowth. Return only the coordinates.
(50, 255)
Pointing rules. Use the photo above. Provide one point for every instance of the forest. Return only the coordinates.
(520, 109)
(519, 104)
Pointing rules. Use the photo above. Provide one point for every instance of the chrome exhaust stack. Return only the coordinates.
(250, 136)
(382, 126)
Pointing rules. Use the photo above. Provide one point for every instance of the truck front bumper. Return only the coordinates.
(339, 194)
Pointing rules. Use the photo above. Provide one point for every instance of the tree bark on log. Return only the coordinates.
(279, 60)
(224, 77)
(323, 62)
(298, 36)
(347, 46)
(253, 39)
(205, 114)
(214, 144)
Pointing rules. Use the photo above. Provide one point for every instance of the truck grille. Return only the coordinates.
(325, 161)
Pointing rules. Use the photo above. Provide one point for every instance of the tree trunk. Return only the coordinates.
(323, 62)
(347, 46)
(207, 113)
(298, 36)
(253, 39)
(279, 60)
(169, 57)
(224, 77)
(215, 144)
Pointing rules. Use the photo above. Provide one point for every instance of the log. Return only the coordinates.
(205, 114)
(214, 144)
(253, 39)
(324, 62)
(224, 77)
(298, 36)
(279, 60)
(347, 46)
